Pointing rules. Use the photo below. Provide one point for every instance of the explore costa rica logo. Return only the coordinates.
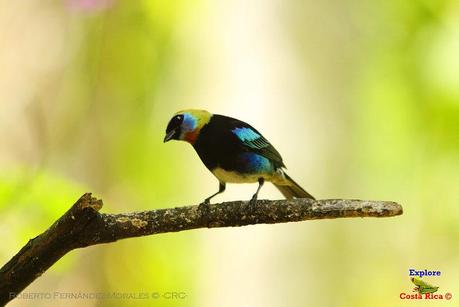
(423, 289)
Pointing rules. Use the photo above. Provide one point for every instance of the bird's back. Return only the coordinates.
(224, 139)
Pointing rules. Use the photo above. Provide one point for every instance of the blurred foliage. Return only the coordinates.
(362, 99)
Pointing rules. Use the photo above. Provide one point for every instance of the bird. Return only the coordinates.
(233, 151)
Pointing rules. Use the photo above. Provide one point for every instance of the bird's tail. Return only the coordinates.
(290, 189)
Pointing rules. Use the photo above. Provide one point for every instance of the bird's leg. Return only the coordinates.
(253, 201)
(204, 206)
(221, 189)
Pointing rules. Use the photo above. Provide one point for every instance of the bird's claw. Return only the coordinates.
(204, 206)
(204, 209)
(252, 204)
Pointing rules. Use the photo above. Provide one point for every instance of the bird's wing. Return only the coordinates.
(253, 140)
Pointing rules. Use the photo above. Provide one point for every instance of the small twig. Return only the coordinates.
(82, 225)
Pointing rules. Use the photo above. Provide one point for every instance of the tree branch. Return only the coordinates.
(82, 225)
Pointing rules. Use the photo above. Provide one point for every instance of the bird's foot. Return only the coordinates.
(253, 204)
(204, 208)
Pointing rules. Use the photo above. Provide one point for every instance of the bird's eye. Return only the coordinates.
(178, 119)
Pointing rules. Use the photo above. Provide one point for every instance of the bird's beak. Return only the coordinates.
(169, 136)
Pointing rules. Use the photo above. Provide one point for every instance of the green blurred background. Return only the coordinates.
(360, 97)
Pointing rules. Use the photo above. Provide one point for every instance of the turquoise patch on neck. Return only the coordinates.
(189, 122)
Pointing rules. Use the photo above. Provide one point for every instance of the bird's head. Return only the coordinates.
(186, 125)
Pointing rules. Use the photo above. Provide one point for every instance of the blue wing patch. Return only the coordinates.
(246, 134)
(256, 142)
(255, 163)
(250, 138)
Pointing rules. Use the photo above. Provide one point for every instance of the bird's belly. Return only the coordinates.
(243, 167)
(236, 177)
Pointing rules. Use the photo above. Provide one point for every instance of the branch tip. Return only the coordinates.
(88, 201)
